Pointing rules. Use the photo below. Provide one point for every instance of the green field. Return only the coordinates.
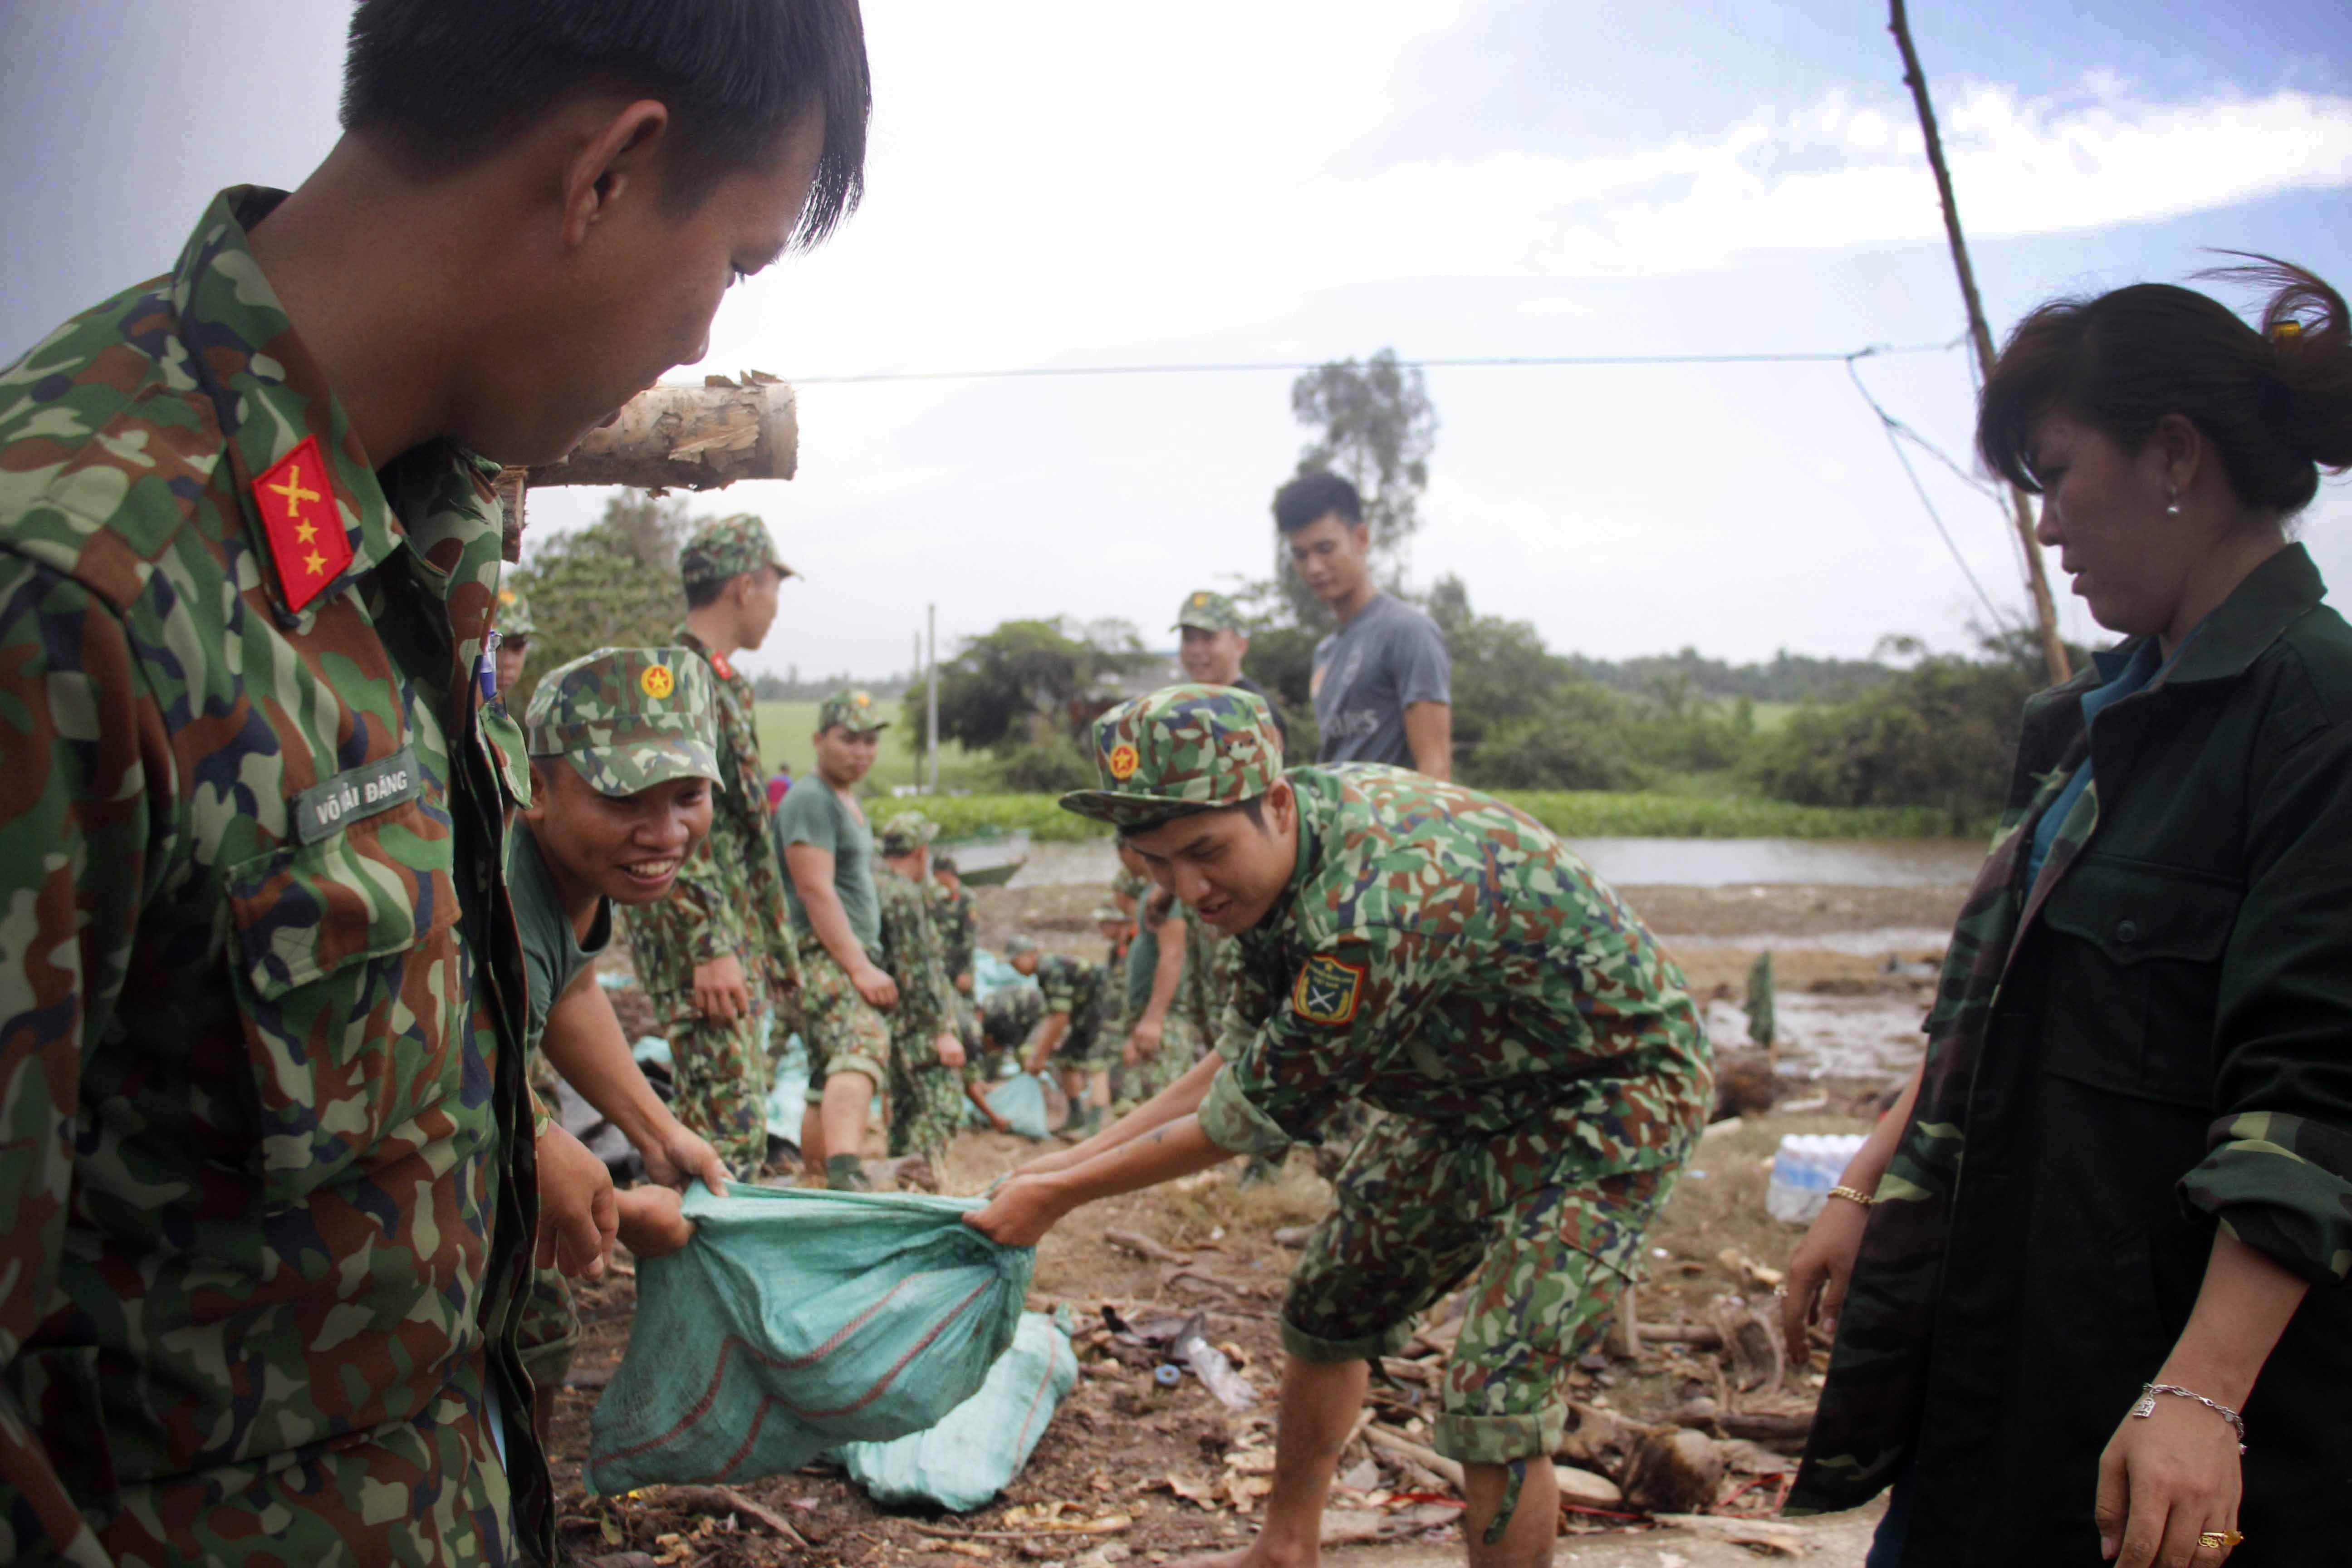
(1573, 814)
(785, 732)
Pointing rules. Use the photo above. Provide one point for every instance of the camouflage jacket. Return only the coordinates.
(2145, 1042)
(1207, 983)
(269, 1192)
(729, 898)
(1442, 956)
(1072, 986)
(957, 919)
(910, 955)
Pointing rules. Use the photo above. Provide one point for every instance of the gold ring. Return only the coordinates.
(2219, 1540)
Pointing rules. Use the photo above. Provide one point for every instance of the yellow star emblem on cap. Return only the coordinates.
(1123, 761)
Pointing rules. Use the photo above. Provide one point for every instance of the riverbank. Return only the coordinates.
(1572, 814)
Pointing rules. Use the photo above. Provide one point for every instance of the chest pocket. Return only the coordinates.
(2134, 977)
(353, 985)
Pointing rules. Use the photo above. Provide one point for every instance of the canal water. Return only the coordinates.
(1659, 862)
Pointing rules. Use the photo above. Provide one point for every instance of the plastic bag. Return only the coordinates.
(796, 1321)
(1020, 1099)
(1804, 1169)
(974, 1454)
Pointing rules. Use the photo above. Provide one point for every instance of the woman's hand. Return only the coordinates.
(2164, 1479)
(1818, 1274)
(1024, 1209)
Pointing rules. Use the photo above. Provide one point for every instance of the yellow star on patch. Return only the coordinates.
(314, 563)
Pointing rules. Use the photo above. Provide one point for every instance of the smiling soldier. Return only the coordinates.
(1444, 958)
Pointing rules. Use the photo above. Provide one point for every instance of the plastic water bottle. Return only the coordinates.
(1806, 1167)
(1215, 1372)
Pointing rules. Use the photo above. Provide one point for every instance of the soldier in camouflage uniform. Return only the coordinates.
(631, 728)
(1445, 957)
(717, 953)
(927, 1058)
(1073, 993)
(514, 627)
(957, 921)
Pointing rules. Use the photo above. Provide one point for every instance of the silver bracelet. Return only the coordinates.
(2147, 1406)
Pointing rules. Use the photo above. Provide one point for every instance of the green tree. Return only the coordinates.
(1375, 426)
(613, 583)
(1043, 669)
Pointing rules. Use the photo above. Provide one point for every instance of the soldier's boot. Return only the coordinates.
(845, 1173)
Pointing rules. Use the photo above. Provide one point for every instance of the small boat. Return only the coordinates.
(987, 858)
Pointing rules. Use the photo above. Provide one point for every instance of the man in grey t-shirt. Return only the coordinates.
(1383, 681)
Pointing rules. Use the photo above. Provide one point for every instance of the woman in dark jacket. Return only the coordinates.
(2103, 1238)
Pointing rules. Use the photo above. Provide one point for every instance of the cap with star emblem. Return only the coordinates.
(512, 617)
(906, 833)
(727, 547)
(627, 718)
(1209, 612)
(853, 710)
(1180, 749)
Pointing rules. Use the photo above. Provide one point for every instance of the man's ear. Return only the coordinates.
(1282, 806)
(613, 162)
(542, 794)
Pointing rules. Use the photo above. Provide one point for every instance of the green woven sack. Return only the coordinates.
(796, 1321)
(974, 1454)
(1020, 1100)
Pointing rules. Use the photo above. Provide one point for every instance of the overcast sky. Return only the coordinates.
(1089, 184)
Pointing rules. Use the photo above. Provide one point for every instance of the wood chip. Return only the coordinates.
(1145, 1247)
(726, 1499)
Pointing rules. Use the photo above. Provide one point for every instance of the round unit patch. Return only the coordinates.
(657, 682)
(1122, 762)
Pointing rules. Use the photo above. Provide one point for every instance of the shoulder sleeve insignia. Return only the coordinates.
(307, 541)
(1327, 990)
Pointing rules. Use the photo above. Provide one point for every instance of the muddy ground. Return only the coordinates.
(1163, 1475)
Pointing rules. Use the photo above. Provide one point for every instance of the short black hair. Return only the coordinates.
(1312, 497)
(705, 591)
(446, 83)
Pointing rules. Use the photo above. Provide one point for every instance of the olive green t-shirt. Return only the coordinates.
(552, 957)
(812, 813)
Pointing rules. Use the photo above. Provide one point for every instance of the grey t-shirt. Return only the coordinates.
(812, 813)
(1368, 672)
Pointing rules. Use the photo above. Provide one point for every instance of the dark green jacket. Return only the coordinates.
(2155, 1038)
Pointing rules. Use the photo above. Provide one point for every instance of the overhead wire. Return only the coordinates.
(1830, 356)
(1897, 433)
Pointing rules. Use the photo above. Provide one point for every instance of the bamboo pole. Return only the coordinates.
(2045, 611)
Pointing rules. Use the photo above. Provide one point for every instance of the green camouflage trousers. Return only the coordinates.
(1544, 1230)
(550, 1330)
(719, 1078)
(1181, 1046)
(927, 1102)
(843, 1031)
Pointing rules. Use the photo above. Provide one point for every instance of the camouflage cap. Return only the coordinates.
(906, 833)
(1209, 612)
(1014, 946)
(945, 864)
(512, 617)
(627, 718)
(724, 547)
(853, 710)
(1111, 914)
(1180, 749)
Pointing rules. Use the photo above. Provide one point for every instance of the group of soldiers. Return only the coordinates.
(806, 924)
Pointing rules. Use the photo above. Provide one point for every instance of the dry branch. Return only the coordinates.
(725, 1500)
(1143, 1246)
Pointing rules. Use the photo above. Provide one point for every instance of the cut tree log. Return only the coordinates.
(689, 437)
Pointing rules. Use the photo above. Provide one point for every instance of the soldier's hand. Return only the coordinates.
(950, 1049)
(577, 1216)
(721, 994)
(879, 989)
(1145, 1041)
(654, 1221)
(677, 1156)
(1021, 1213)
(1819, 1267)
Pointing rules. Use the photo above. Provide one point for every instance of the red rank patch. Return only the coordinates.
(307, 540)
(726, 670)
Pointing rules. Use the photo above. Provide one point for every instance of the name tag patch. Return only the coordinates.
(362, 791)
(1327, 990)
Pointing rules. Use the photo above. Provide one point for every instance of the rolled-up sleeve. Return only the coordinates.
(2278, 1169)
